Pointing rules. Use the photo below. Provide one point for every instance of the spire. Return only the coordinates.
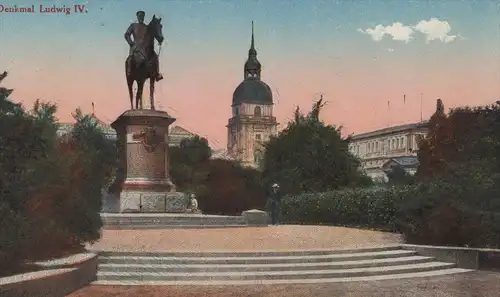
(252, 52)
(252, 66)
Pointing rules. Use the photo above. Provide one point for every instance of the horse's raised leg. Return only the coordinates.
(138, 96)
(152, 92)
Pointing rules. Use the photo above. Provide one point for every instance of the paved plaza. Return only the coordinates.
(278, 238)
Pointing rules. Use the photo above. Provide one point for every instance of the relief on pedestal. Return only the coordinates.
(153, 202)
(149, 138)
(176, 202)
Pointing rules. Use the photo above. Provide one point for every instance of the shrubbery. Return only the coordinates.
(371, 207)
(461, 209)
(50, 187)
(230, 189)
(221, 186)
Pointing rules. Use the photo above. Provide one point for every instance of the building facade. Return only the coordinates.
(176, 134)
(110, 133)
(252, 121)
(382, 149)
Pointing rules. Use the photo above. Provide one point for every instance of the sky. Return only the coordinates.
(377, 63)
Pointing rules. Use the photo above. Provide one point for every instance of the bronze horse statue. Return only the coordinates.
(144, 64)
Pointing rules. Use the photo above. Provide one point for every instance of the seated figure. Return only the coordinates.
(193, 204)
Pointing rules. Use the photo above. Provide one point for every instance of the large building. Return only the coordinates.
(176, 133)
(252, 121)
(382, 149)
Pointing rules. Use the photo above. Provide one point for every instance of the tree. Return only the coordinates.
(309, 156)
(92, 168)
(221, 186)
(49, 187)
(230, 189)
(398, 175)
(434, 148)
(189, 163)
(465, 135)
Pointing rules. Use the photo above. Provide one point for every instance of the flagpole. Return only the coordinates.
(421, 116)
(404, 102)
(389, 113)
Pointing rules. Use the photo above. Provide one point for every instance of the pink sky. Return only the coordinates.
(201, 102)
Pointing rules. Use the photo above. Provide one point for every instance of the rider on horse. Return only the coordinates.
(138, 31)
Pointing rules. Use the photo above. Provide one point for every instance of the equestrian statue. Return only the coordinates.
(142, 62)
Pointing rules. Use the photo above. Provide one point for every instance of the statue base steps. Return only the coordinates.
(175, 220)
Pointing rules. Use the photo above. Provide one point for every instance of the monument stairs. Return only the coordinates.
(266, 267)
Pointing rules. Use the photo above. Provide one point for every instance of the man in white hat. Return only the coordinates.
(274, 204)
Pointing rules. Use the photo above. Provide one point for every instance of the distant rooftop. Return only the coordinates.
(391, 130)
(221, 154)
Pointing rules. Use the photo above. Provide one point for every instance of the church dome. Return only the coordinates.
(253, 91)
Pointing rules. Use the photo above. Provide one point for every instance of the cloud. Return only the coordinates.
(397, 31)
(433, 29)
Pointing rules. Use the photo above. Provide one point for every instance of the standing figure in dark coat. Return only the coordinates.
(273, 203)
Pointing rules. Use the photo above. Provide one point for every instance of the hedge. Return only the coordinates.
(368, 207)
(462, 210)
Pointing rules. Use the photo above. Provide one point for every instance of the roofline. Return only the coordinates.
(390, 130)
(251, 102)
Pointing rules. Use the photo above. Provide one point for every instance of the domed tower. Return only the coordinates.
(252, 121)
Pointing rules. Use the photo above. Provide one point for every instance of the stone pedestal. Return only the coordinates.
(142, 173)
(255, 217)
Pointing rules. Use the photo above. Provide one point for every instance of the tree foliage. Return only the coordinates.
(49, 186)
(221, 186)
(310, 156)
(466, 134)
(460, 208)
(397, 175)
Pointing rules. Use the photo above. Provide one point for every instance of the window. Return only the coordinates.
(257, 137)
(236, 111)
(376, 145)
(257, 112)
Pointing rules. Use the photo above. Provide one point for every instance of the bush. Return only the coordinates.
(230, 189)
(370, 207)
(459, 209)
(222, 187)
